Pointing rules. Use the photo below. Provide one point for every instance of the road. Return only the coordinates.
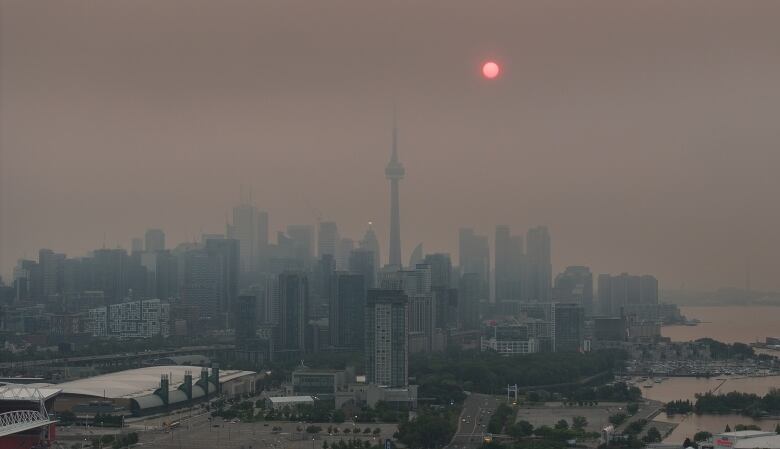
(477, 410)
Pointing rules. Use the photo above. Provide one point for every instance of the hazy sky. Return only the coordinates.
(643, 133)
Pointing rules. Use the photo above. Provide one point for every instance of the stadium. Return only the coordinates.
(150, 389)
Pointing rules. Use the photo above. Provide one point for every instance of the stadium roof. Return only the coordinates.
(290, 399)
(139, 382)
(19, 392)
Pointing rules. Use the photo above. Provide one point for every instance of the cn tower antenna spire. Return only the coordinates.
(394, 172)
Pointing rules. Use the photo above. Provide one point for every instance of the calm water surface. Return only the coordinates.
(728, 324)
(686, 387)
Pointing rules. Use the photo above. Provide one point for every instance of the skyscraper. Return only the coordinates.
(154, 240)
(244, 229)
(575, 285)
(327, 238)
(475, 258)
(441, 269)
(347, 306)
(302, 240)
(290, 333)
(508, 265)
(224, 255)
(369, 242)
(386, 326)
(394, 172)
(539, 265)
(361, 261)
(569, 327)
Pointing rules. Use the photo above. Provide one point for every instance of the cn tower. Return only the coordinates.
(394, 172)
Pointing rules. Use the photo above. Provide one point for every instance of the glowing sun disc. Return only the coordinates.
(490, 70)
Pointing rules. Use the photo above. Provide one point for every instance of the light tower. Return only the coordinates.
(394, 172)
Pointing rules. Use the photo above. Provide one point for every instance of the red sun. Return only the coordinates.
(490, 70)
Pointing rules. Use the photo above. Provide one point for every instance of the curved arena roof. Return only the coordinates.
(139, 382)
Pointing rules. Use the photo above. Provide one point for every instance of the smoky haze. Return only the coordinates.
(643, 134)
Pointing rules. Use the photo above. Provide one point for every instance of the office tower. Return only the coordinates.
(290, 332)
(136, 245)
(154, 240)
(441, 269)
(199, 284)
(539, 265)
(469, 290)
(575, 285)
(386, 326)
(271, 312)
(51, 270)
(343, 251)
(166, 275)
(362, 262)
(346, 312)
(605, 294)
(321, 288)
(369, 242)
(617, 292)
(394, 172)
(417, 255)
(110, 273)
(475, 258)
(508, 265)
(24, 273)
(263, 252)
(302, 241)
(244, 230)
(569, 327)
(245, 318)
(446, 305)
(225, 256)
(327, 239)
(648, 293)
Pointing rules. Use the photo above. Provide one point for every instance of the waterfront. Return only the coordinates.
(686, 388)
(728, 324)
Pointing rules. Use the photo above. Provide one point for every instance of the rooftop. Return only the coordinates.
(139, 382)
(746, 434)
(283, 399)
(18, 392)
(764, 442)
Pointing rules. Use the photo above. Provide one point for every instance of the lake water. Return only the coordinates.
(686, 388)
(728, 324)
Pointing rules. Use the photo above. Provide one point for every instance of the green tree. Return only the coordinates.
(579, 422)
(632, 408)
(617, 419)
(520, 429)
(702, 436)
(562, 425)
(338, 416)
(727, 429)
(652, 435)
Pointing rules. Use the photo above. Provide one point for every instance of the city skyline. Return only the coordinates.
(630, 151)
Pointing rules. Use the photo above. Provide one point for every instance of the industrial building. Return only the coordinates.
(151, 389)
